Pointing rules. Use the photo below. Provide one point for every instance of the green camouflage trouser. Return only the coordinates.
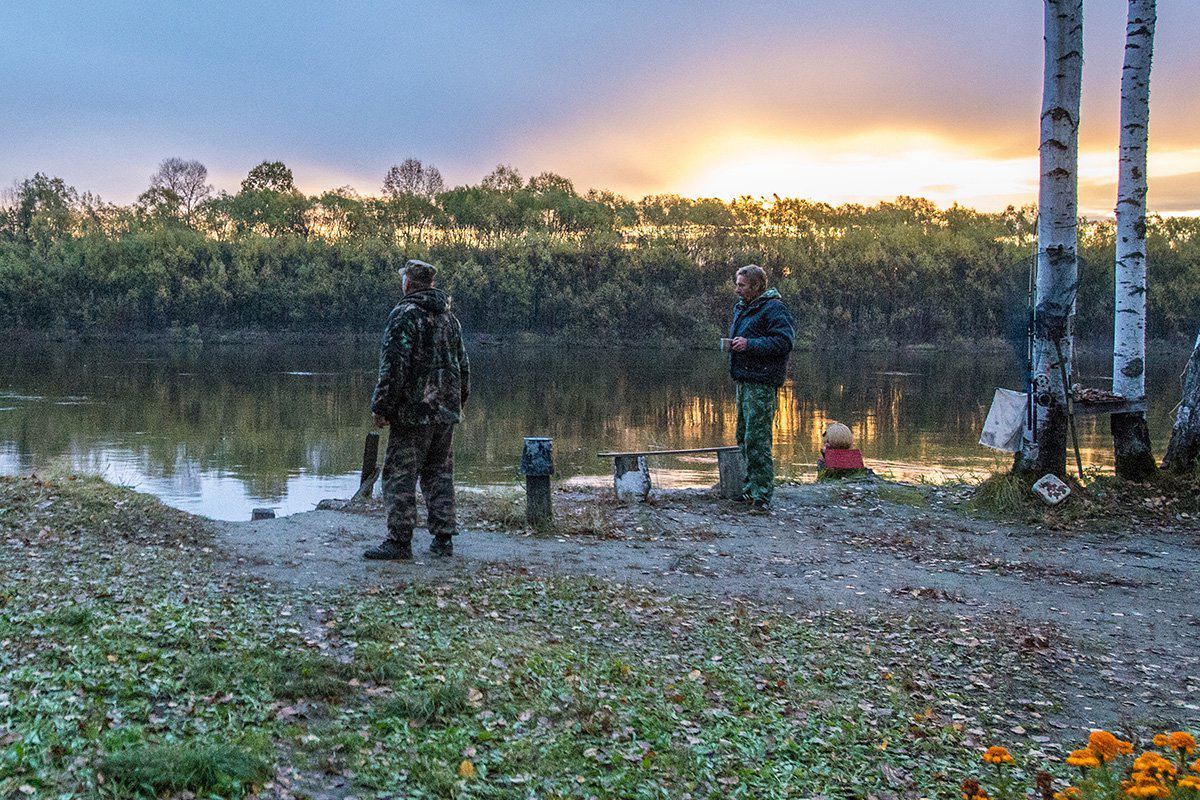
(756, 404)
(419, 451)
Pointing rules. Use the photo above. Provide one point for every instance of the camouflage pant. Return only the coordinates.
(419, 451)
(756, 404)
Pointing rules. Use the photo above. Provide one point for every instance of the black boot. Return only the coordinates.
(390, 550)
(442, 546)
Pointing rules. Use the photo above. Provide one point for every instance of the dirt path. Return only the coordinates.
(1124, 601)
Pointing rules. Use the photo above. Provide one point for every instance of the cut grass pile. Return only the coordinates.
(1004, 495)
(220, 769)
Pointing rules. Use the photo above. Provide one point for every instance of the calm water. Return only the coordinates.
(220, 430)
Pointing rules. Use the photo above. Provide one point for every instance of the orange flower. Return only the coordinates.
(1082, 758)
(1124, 748)
(1189, 782)
(997, 755)
(1104, 745)
(1182, 741)
(1069, 793)
(1142, 786)
(1196, 765)
(1160, 740)
(1151, 764)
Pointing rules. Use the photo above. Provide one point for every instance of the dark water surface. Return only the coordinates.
(220, 430)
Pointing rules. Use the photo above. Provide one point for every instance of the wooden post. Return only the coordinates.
(538, 509)
(370, 456)
(537, 464)
(729, 464)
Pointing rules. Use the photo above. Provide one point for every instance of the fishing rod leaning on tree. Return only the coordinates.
(1053, 322)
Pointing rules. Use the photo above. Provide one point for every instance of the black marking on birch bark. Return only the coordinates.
(1058, 114)
(1133, 368)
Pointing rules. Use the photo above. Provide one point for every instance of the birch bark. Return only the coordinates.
(1184, 446)
(1131, 436)
(1057, 266)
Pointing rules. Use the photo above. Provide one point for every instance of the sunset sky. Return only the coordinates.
(859, 100)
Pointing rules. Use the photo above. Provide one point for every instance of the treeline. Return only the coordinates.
(537, 256)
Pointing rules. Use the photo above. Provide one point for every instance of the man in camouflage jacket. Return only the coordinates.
(424, 380)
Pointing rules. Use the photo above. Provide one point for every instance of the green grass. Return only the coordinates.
(902, 496)
(502, 509)
(74, 619)
(1004, 495)
(440, 703)
(286, 674)
(149, 668)
(150, 770)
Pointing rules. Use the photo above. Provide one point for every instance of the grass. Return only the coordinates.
(1003, 495)
(902, 495)
(131, 668)
(438, 704)
(501, 509)
(1104, 502)
(150, 770)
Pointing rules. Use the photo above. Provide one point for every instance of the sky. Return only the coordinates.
(848, 101)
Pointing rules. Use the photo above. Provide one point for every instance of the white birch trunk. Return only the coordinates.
(1131, 436)
(1129, 332)
(1058, 201)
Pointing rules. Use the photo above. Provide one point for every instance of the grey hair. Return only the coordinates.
(756, 274)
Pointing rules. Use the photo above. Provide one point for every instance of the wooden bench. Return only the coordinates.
(729, 465)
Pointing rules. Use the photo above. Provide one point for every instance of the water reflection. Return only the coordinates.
(219, 430)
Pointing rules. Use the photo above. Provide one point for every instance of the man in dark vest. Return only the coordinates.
(762, 336)
(424, 380)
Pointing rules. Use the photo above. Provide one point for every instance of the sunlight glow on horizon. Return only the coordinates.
(880, 166)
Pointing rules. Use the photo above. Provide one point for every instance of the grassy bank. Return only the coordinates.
(137, 662)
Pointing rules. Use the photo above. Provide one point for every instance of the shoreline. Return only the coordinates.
(176, 337)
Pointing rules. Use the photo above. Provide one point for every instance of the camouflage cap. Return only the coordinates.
(420, 272)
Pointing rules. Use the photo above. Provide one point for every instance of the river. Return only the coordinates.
(219, 430)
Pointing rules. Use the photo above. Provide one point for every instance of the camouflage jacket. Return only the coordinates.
(424, 374)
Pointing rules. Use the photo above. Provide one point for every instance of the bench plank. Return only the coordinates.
(723, 448)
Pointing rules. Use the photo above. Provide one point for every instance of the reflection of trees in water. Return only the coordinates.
(234, 411)
(228, 410)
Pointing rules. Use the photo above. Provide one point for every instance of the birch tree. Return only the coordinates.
(1131, 436)
(1057, 262)
(1184, 446)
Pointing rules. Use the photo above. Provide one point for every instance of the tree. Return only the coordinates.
(1184, 446)
(1131, 435)
(41, 210)
(414, 179)
(272, 176)
(1057, 261)
(550, 182)
(177, 188)
(503, 179)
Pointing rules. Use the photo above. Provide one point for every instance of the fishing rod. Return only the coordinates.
(1030, 328)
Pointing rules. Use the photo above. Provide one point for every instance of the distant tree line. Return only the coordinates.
(537, 256)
